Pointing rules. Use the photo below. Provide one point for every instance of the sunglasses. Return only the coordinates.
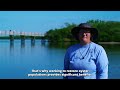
(84, 31)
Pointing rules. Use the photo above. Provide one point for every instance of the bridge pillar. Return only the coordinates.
(11, 44)
(32, 40)
(11, 38)
(42, 39)
(22, 40)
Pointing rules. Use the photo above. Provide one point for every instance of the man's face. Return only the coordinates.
(84, 35)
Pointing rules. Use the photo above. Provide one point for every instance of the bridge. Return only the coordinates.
(22, 35)
(10, 32)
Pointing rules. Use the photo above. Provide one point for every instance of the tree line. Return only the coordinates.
(109, 31)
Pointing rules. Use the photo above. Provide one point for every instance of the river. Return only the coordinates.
(30, 61)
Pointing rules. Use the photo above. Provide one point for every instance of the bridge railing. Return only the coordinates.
(4, 33)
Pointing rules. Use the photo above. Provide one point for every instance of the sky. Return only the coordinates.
(43, 21)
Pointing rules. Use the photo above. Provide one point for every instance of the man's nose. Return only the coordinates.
(84, 34)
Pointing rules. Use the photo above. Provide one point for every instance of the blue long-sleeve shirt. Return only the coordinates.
(95, 61)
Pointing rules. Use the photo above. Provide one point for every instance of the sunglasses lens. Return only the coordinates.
(84, 31)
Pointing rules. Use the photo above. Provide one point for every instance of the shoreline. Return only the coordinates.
(62, 41)
(109, 42)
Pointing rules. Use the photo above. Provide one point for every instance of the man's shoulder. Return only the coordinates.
(97, 46)
(72, 47)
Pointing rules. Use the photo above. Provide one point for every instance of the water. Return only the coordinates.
(18, 61)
